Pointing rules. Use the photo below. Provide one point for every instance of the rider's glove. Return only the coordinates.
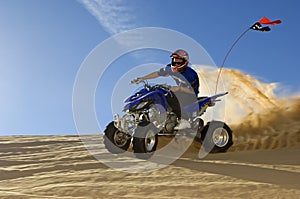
(137, 80)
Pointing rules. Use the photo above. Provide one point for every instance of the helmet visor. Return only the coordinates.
(177, 64)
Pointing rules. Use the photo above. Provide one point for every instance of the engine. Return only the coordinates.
(171, 122)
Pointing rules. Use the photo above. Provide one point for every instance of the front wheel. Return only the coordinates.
(115, 141)
(145, 140)
(216, 137)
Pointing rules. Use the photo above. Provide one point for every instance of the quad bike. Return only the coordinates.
(147, 116)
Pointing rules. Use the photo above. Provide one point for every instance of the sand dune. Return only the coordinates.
(262, 163)
(61, 167)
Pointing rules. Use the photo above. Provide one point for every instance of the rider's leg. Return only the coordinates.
(184, 99)
(174, 104)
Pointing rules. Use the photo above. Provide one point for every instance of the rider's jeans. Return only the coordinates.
(179, 100)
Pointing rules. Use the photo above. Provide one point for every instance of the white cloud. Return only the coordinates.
(114, 16)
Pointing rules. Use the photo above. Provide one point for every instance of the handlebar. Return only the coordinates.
(147, 85)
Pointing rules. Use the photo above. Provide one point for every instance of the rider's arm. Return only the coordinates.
(151, 76)
(161, 72)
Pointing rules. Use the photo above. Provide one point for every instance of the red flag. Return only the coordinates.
(265, 20)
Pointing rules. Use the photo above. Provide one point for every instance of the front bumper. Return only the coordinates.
(124, 124)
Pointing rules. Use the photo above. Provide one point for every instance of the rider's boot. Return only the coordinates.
(184, 124)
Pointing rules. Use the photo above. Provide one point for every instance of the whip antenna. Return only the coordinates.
(257, 26)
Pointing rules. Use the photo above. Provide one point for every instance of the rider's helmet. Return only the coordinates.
(180, 60)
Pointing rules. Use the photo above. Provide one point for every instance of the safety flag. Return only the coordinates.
(258, 25)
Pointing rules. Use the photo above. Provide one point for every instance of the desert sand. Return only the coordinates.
(62, 167)
(263, 162)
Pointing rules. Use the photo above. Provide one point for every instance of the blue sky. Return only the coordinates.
(43, 44)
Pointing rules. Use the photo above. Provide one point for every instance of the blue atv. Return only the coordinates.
(148, 115)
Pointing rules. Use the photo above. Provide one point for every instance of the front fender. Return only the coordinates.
(156, 96)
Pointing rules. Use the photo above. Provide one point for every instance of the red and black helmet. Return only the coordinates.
(180, 60)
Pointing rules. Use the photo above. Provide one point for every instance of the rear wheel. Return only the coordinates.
(216, 137)
(145, 140)
(115, 141)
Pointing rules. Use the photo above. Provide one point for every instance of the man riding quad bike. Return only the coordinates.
(165, 110)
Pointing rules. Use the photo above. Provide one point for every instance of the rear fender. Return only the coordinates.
(201, 105)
